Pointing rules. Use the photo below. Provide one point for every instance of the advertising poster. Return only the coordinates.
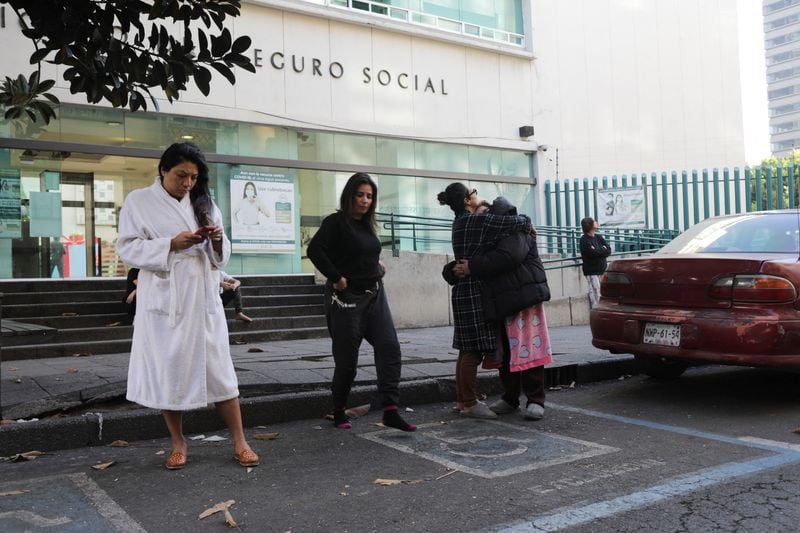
(621, 208)
(262, 212)
(10, 211)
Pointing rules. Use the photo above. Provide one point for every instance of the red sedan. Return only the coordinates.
(724, 291)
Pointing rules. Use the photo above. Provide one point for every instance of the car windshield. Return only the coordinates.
(762, 233)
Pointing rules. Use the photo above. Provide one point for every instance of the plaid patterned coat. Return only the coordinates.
(471, 232)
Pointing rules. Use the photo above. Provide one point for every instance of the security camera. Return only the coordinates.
(543, 147)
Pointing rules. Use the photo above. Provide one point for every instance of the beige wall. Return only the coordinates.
(419, 297)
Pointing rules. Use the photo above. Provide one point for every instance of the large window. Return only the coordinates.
(59, 210)
(498, 20)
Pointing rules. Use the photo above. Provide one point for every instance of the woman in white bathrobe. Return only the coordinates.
(180, 358)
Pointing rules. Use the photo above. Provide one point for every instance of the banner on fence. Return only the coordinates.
(621, 207)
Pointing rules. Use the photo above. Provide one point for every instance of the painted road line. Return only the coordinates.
(572, 516)
(107, 507)
(582, 514)
(752, 443)
(773, 443)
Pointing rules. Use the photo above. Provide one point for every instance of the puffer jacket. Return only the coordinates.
(511, 272)
(513, 277)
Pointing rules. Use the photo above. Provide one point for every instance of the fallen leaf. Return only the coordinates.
(13, 492)
(69, 314)
(796, 430)
(13, 369)
(5, 422)
(82, 354)
(572, 385)
(119, 443)
(197, 437)
(355, 412)
(160, 452)
(409, 410)
(265, 436)
(555, 388)
(222, 506)
(250, 469)
(17, 380)
(214, 438)
(72, 371)
(392, 482)
(254, 350)
(27, 456)
(447, 474)
(114, 324)
(379, 424)
(239, 341)
(343, 494)
(229, 521)
(103, 466)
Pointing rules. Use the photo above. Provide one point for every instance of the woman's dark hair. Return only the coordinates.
(454, 196)
(349, 195)
(249, 184)
(587, 224)
(199, 195)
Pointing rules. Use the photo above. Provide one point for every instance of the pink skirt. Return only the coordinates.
(529, 339)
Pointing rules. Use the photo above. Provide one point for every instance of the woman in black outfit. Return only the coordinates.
(346, 249)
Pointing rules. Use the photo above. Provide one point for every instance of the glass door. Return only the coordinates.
(78, 255)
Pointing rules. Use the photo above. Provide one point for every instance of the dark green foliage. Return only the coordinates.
(118, 50)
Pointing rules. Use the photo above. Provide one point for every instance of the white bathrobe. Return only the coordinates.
(180, 358)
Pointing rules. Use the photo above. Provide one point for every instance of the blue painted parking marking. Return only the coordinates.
(572, 516)
(68, 503)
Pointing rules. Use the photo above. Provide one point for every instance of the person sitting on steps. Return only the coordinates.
(230, 289)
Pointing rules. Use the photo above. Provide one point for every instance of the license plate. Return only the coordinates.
(664, 334)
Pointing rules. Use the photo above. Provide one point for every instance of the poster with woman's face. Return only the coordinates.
(262, 212)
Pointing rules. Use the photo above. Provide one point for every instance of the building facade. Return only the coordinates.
(782, 46)
(417, 93)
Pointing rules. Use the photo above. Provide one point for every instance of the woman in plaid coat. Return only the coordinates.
(473, 336)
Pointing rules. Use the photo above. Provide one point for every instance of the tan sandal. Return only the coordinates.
(247, 458)
(175, 461)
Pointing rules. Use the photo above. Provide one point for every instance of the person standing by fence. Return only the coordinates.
(594, 250)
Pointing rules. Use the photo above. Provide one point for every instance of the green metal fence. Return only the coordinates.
(678, 200)
(559, 246)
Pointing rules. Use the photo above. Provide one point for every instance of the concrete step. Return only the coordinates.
(80, 321)
(39, 297)
(272, 290)
(59, 285)
(125, 332)
(247, 337)
(236, 327)
(250, 302)
(43, 351)
(114, 308)
(118, 284)
(275, 311)
(62, 309)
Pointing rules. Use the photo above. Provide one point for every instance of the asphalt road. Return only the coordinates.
(712, 451)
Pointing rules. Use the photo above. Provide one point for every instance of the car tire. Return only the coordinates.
(660, 367)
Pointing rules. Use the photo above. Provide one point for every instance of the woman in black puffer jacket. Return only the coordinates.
(514, 285)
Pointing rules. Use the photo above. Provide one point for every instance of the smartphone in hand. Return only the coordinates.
(205, 230)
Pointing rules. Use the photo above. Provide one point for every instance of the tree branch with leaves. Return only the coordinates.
(121, 50)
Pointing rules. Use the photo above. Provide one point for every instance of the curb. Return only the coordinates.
(100, 429)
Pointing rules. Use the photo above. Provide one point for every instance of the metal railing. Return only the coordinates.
(558, 246)
(421, 18)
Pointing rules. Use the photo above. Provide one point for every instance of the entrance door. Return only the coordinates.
(81, 249)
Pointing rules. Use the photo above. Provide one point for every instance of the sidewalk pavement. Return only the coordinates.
(292, 377)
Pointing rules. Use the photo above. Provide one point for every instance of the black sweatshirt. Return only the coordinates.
(350, 249)
(594, 250)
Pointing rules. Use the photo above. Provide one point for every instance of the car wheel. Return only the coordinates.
(660, 367)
